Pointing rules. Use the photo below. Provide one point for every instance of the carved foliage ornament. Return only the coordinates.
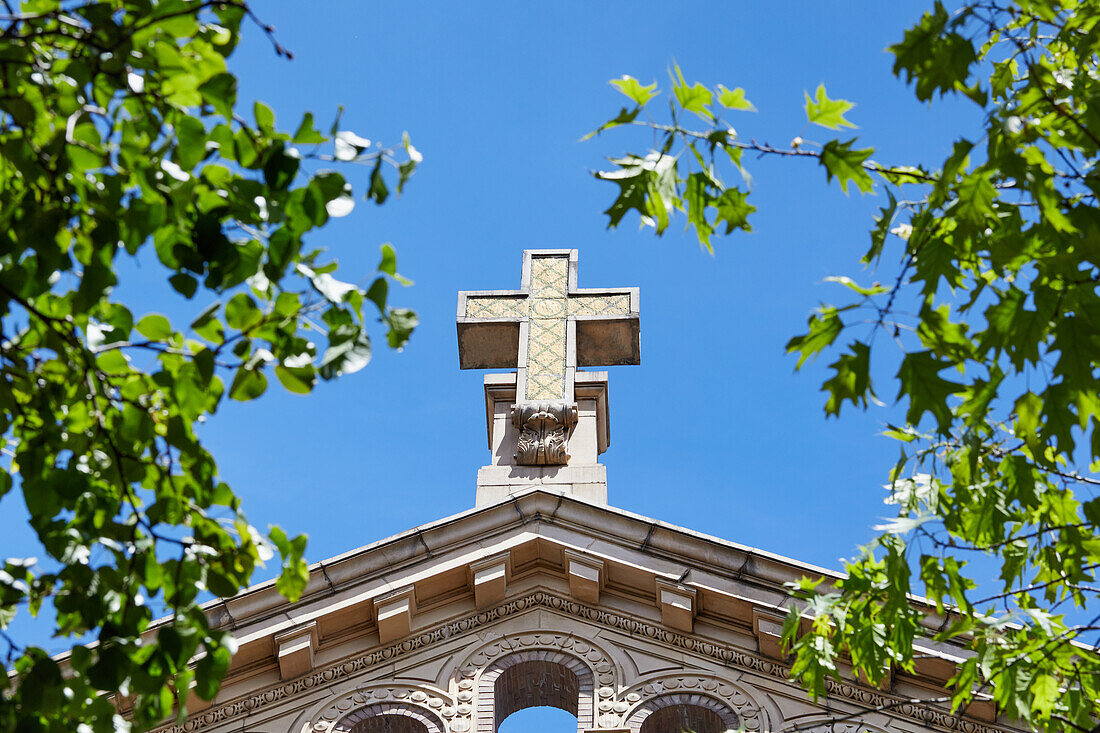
(543, 428)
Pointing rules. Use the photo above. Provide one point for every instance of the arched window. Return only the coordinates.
(688, 712)
(390, 724)
(389, 718)
(535, 683)
(535, 678)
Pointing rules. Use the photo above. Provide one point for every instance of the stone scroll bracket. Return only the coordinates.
(587, 436)
(544, 430)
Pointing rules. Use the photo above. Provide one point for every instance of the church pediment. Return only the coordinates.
(657, 613)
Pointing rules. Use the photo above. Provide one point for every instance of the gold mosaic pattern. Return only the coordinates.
(496, 306)
(613, 304)
(547, 328)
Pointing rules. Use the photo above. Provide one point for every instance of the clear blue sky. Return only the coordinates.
(714, 431)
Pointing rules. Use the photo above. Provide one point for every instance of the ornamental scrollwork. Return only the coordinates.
(543, 431)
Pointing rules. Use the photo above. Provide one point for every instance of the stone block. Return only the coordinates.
(768, 628)
(394, 614)
(490, 579)
(677, 603)
(496, 483)
(294, 649)
(586, 576)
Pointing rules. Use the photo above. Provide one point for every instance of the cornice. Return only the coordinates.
(536, 506)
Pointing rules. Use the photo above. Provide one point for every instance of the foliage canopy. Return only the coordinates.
(993, 263)
(121, 137)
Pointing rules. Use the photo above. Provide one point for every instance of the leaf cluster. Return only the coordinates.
(121, 137)
(991, 313)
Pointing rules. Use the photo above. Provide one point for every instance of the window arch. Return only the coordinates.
(535, 678)
(388, 718)
(676, 713)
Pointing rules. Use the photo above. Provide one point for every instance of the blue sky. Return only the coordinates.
(714, 431)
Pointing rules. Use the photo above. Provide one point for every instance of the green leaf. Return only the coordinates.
(349, 351)
(874, 289)
(378, 189)
(1046, 691)
(846, 165)
(734, 99)
(975, 198)
(388, 263)
(928, 392)
(851, 380)
(697, 197)
(633, 89)
(265, 118)
(154, 327)
(209, 671)
(307, 133)
(734, 209)
(242, 313)
(248, 384)
(299, 380)
(825, 327)
(635, 181)
(820, 110)
(692, 98)
(937, 58)
(625, 117)
(220, 91)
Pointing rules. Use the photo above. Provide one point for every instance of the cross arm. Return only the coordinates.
(608, 330)
(488, 328)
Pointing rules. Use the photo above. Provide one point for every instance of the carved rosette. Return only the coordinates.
(543, 427)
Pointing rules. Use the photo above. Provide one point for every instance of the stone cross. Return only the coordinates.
(546, 330)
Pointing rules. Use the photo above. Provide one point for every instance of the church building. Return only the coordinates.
(543, 594)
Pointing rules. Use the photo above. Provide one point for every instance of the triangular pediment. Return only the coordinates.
(642, 610)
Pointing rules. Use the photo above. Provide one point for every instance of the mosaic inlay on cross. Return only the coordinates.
(546, 330)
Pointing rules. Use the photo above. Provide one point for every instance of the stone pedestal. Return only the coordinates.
(583, 477)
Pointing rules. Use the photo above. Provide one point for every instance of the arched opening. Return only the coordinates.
(680, 712)
(678, 718)
(390, 724)
(535, 683)
(389, 717)
(539, 720)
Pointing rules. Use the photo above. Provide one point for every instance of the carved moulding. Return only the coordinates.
(733, 657)
(543, 428)
(730, 719)
(726, 698)
(817, 723)
(591, 664)
(427, 705)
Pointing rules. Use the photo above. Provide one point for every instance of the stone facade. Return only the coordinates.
(627, 623)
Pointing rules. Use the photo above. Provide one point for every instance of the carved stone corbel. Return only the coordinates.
(543, 428)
